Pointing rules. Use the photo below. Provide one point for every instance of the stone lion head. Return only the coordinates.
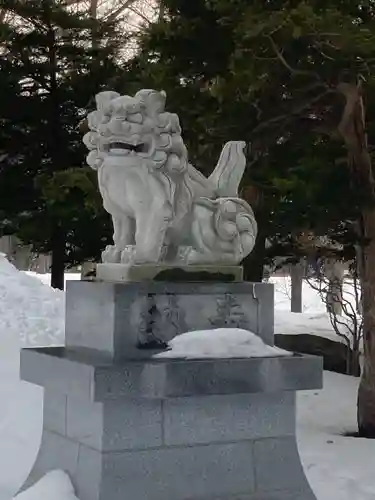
(135, 130)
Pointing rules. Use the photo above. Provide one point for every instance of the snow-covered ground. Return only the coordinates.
(336, 466)
(314, 318)
(31, 313)
(55, 485)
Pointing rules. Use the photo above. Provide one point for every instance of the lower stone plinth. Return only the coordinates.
(172, 429)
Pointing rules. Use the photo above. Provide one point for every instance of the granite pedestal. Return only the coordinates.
(115, 317)
(125, 425)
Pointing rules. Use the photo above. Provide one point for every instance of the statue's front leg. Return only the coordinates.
(126, 239)
(111, 255)
(150, 234)
(123, 238)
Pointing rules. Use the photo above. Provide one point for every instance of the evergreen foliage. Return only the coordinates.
(268, 72)
(53, 63)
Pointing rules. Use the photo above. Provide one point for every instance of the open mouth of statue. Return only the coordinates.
(126, 148)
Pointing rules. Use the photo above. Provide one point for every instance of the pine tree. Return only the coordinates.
(235, 85)
(57, 61)
(293, 79)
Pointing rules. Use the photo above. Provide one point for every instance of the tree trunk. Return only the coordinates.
(161, 10)
(354, 362)
(335, 275)
(254, 263)
(58, 260)
(56, 147)
(94, 30)
(23, 257)
(352, 128)
(366, 392)
(296, 278)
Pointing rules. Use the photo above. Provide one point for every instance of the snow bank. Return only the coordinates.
(220, 343)
(312, 303)
(288, 323)
(29, 310)
(46, 277)
(314, 319)
(55, 485)
(336, 466)
(31, 314)
(311, 300)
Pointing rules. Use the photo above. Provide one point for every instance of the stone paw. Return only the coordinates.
(127, 255)
(111, 255)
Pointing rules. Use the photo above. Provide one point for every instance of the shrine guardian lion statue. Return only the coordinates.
(163, 209)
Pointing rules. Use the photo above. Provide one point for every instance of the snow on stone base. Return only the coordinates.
(55, 485)
(220, 343)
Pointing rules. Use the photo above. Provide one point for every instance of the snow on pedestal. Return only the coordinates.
(220, 343)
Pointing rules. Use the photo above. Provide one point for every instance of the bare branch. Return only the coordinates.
(140, 14)
(287, 65)
(294, 111)
(114, 15)
(69, 3)
(325, 56)
(350, 331)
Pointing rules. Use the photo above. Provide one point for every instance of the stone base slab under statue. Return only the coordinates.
(124, 273)
(125, 425)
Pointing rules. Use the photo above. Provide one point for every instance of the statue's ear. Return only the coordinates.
(163, 98)
(104, 98)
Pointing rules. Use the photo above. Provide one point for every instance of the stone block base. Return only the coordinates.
(127, 426)
(263, 469)
(172, 429)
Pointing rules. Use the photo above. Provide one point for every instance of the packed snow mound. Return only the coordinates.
(337, 466)
(310, 323)
(220, 343)
(55, 485)
(29, 310)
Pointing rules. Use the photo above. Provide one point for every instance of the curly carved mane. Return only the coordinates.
(142, 120)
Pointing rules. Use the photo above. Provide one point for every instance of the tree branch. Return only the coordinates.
(295, 111)
(140, 14)
(114, 15)
(294, 71)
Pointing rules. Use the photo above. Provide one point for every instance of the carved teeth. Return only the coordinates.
(124, 146)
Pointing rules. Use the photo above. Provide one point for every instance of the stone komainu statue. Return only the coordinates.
(163, 209)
